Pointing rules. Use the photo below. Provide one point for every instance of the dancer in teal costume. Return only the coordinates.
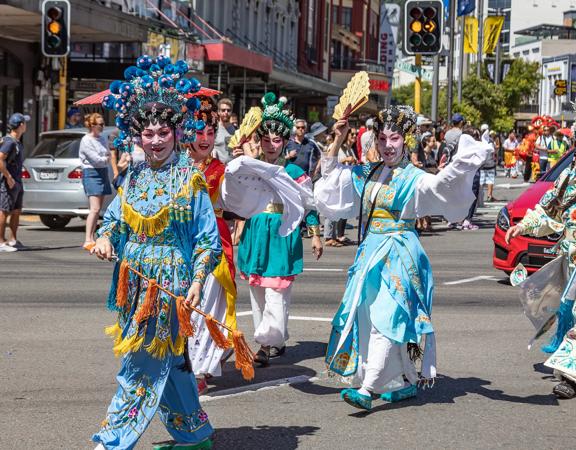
(162, 224)
(385, 316)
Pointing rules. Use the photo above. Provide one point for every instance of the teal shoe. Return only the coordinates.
(401, 394)
(173, 445)
(354, 398)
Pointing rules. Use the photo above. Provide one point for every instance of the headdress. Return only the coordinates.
(401, 119)
(275, 119)
(154, 90)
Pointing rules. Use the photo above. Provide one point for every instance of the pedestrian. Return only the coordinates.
(543, 145)
(225, 131)
(95, 158)
(466, 224)
(163, 225)
(361, 130)
(423, 158)
(368, 142)
(557, 149)
(301, 149)
(219, 294)
(269, 261)
(73, 118)
(452, 136)
(385, 315)
(346, 155)
(488, 169)
(510, 164)
(11, 188)
(234, 120)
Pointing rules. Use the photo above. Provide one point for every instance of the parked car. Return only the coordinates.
(532, 252)
(52, 178)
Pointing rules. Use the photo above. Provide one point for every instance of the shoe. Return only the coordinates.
(4, 247)
(275, 352)
(15, 243)
(401, 394)
(356, 399)
(345, 241)
(333, 243)
(201, 385)
(169, 445)
(262, 357)
(565, 389)
(452, 226)
(469, 226)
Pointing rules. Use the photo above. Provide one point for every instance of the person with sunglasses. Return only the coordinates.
(94, 156)
(301, 150)
(224, 132)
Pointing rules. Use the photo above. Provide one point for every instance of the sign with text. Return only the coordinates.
(560, 87)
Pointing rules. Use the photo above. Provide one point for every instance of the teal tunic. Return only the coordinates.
(263, 252)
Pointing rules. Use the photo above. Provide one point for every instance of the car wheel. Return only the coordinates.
(55, 222)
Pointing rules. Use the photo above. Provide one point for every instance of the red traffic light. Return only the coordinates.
(430, 12)
(54, 13)
(416, 13)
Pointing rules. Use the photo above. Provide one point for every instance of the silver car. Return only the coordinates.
(52, 178)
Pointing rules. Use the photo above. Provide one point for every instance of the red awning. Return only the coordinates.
(96, 99)
(224, 52)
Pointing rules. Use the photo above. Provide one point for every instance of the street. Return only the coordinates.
(58, 368)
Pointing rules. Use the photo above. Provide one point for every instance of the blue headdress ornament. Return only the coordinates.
(154, 81)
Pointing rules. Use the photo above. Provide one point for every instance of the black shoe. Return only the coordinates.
(275, 352)
(262, 357)
(565, 389)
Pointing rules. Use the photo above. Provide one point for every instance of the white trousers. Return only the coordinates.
(270, 308)
(385, 364)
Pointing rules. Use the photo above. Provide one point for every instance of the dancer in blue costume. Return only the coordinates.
(162, 224)
(385, 315)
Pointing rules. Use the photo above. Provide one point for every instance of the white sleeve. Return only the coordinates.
(334, 193)
(449, 193)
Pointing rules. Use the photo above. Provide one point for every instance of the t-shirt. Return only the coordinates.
(510, 145)
(452, 136)
(544, 141)
(223, 134)
(307, 154)
(15, 156)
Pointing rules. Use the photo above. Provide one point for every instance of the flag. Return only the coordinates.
(465, 7)
(470, 34)
(492, 28)
(446, 12)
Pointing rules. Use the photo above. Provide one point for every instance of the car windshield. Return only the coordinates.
(554, 173)
(64, 146)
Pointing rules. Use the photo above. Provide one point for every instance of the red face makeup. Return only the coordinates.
(202, 147)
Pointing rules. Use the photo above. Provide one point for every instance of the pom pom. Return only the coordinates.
(147, 81)
(282, 101)
(108, 102)
(123, 135)
(183, 86)
(196, 85)
(121, 123)
(126, 90)
(268, 99)
(130, 72)
(166, 81)
(119, 105)
(163, 61)
(155, 70)
(181, 67)
(118, 143)
(140, 73)
(115, 86)
(144, 62)
(200, 125)
(169, 69)
(193, 104)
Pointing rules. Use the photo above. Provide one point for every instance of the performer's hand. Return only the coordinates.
(238, 151)
(194, 295)
(317, 248)
(103, 249)
(340, 128)
(512, 233)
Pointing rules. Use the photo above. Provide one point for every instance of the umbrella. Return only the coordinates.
(96, 99)
(566, 132)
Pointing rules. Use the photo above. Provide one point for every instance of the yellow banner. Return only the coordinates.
(470, 34)
(492, 28)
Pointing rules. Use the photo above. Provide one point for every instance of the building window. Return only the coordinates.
(347, 18)
(311, 28)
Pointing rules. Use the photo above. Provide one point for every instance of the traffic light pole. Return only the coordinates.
(451, 60)
(62, 92)
(418, 84)
(435, 83)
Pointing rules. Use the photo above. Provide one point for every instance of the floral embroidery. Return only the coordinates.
(133, 413)
(142, 238)
(182, 422)
(140, 391)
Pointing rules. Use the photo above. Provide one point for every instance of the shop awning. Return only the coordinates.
(305, 82)
(228, 53)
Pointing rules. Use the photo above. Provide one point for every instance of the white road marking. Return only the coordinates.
(512, 185)
(323, 270)
(471, 280)
(252, 388)
(304, 318)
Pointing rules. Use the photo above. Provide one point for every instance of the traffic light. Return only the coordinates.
(55, 28)
(423, 27)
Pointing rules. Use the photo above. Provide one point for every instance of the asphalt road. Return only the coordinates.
(57, 368)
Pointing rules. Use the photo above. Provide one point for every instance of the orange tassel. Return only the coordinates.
(148, 307)
(244, 355)
(186, 329)
(216, 334)
(122, 285)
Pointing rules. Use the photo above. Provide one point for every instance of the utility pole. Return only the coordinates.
(418, 83)
(498, 51)
(451, 59)
(435, 83)
(461, 59)
(480, 38)
(62, 92)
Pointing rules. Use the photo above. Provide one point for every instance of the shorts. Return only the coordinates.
(487, 176)
(96, 182)
(11, 199)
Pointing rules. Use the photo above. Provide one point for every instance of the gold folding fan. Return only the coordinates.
(354, 96)
(249, 124)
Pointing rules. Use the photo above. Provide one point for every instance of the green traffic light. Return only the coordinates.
(53, 41)
(429, 39)
(415, 40)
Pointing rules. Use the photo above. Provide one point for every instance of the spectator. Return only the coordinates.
(467, 222)
(11, 189)
(424, 125)
(362, 119)
(452, 136)
(224, 131)
(423, 158)
(234, 120)
(557, 149)
(510, 165)
(488, 169)
(368, 142)
(302, 150)
(73, 118)
(95, 158)
(543, 144)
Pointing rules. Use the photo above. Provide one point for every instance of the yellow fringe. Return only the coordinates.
(114, 331)
(197, 183)
(178, 346)
(159, 349)
(132, 344)
(222, 274)
(150, 226)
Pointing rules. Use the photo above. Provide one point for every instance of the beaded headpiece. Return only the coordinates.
(401, 119)
(275, 119)
(154, 90)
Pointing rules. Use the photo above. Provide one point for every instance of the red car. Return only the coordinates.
(532, 252)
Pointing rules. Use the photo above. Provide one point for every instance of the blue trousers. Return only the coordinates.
(147, 385)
